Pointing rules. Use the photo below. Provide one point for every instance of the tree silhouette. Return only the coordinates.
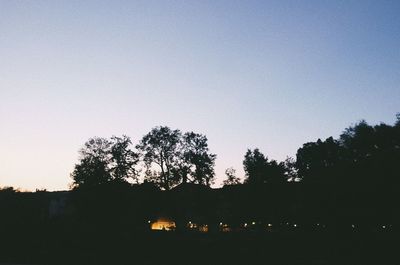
(123, 159)
(373, 153)
(231, 178)
(103, 161)
(172, 157)
(316, 160)
(159, 150)
(355, 176)
(259, 170)
(197, 157)
(290, 168)
(397, 123)
(254, 164)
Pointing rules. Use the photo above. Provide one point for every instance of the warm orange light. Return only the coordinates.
(203, 228)
(163, 224)
(197, 227)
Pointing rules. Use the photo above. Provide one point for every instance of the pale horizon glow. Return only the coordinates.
(266, 74)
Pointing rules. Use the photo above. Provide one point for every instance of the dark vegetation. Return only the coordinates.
(336, 203)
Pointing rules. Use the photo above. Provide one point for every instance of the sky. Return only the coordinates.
(266, 74)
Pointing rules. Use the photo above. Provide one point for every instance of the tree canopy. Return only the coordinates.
(171, 157)
(231, 178)
(105, 160)
(260, 170)
(364, 157)
(159, 150)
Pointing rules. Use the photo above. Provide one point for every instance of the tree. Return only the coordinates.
(319, 160)
(259, 170)
(102, 161)
(198, 159)
(123, 159)
(319, 166)
(356, 173)
(254, 164)
(231, 178)
(289, 166)
(372, 155)
(171, 157)
(159, 150)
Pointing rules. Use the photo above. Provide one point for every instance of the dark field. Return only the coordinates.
(291, 248)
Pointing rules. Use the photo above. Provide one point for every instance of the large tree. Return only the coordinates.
(317, 161)
(103, 160)
(123, 159)
(259, 170)
(198, 158)
(171, 157)
(357, 173)
(159, 150)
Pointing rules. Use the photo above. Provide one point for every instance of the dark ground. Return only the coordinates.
(123, 247)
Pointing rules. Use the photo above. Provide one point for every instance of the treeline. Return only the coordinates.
(167, 158)
(164, 157)
(363, 154)
(352, 178)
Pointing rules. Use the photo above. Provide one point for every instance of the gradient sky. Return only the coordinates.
(267, 74)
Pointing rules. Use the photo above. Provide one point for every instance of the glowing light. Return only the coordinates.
(383, 226)
(353, 226)
(203, 228)
(295, 225)
(269, 225)
(163, 224)
(253, 223)
(245, 224)
(220, 223)
(148, 221)
(226, 228)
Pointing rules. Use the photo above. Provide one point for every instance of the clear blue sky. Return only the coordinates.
(267, 74)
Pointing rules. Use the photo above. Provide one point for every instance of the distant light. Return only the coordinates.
(190, 222)
(295, 225)
(383, 226)
(353, 226)
(220, 223)
(149, 221)
(245, 224)
(253, 223)
(317, 224)
(269, 225)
